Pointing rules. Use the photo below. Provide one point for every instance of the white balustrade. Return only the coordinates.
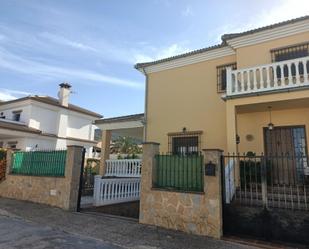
(123, 168)
(115, 190)
(269, 77)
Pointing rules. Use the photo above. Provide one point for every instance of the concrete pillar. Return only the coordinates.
(105, 150)
(150, 149)
(74, 161)
(213, 193)
(9, 154)
(231, 129)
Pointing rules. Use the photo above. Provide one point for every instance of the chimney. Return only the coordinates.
(64, 94)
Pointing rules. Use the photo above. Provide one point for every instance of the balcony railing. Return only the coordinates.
(270, 77)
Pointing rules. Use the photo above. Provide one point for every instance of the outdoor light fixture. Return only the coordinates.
(270, 124)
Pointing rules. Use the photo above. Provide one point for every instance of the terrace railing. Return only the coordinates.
(268, 77)
(115, 190)
(123, 168)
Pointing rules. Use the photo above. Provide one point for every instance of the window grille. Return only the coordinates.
(221, 76)
(184, 143)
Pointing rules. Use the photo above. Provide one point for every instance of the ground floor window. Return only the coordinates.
(184, 143)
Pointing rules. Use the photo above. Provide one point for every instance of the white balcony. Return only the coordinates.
(289, 74)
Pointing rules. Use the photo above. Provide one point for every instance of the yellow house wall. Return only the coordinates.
(260, 53)
(253, 123)
(187, 97)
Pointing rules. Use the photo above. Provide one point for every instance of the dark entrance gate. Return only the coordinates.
(89, 168)
(266, 196)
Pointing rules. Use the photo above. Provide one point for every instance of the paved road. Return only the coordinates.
(27, 225)
(20, 234)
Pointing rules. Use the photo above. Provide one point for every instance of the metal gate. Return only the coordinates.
(266, 196)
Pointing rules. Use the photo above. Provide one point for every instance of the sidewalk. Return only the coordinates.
(96, 229)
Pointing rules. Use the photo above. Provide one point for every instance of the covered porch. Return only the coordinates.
(266, 161)
(119, 179)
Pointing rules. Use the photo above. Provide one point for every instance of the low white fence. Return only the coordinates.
(123, 168)
(115, 190)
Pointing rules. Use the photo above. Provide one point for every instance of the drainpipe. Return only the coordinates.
(146, 104)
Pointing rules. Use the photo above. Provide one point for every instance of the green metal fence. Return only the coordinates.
(176, 172)
(39, 163)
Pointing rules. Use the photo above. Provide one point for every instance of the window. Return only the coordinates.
(97, 134)
(16, 115)
(184, 143)
(221, 76)
(12, 144)
(289, 53)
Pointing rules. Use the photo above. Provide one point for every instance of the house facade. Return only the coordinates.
(225, 96)
(43, 122)
(226, 131)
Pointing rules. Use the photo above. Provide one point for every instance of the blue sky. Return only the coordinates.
(95, 44)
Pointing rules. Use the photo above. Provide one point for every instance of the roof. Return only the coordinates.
(53, 101)
(11, 125)
(224, 38)
(202, 50)
(134, 117)
(17, 127)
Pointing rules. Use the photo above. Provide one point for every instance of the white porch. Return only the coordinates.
(119, 179)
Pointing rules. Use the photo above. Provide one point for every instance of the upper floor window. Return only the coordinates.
(184, 143)
(290, 52)
(221, 76)
(16, 115)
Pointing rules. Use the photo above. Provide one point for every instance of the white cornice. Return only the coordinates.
(190, 59)
(270, 34)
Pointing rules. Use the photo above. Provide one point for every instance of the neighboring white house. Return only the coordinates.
(43, 122)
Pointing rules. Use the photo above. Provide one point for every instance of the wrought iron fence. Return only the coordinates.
(276, 181)
(179, 172)
(39, 163)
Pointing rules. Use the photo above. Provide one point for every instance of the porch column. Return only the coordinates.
(231, 128)
(105, 150)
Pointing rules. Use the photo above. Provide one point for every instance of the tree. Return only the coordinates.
(126, 145)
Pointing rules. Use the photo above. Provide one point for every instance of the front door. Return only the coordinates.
(286, 151)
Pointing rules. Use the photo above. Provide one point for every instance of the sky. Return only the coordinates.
(94, 44)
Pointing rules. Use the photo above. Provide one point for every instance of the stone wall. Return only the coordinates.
(196, 213)
(60, 192)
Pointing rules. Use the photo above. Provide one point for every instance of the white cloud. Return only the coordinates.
(21, 65)
(67, 42)
(9, 94)
(160, 53)
(281, 11)
(187, 11)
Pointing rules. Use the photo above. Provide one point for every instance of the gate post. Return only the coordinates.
(213, 192)
(9, 154)
(73, 169)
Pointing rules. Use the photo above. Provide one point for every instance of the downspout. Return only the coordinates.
(146, 104)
